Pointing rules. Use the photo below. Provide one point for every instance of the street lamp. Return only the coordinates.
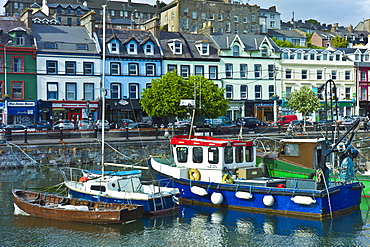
(132, 18)
(10, 42)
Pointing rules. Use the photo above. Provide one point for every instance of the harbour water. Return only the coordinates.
(191, 226)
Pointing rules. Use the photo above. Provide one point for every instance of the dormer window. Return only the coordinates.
(203, 48)
(132, 48)
(81, 46)
(50, 45)
(148, 49)
(264, 52)
(114, 47)
(236, 52)
(20, 39)
(176, 47)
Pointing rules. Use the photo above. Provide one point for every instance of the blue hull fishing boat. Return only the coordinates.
(120, 187)
(222, 172)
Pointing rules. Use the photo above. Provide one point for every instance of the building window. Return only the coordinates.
(115, 91)
(229, 91)
(1, 65)
(171, 67)
(133, 91)
(51, 67)
(133, 69)
(185, 71)
(213, 72)
(71, 91)
(211, 16)
(112, 12)
(333, 74)
(52, 93)
(199, 70)
(363, 75)
(253, 28)
(70, 68)
(69, 11)
(203, 16)
(348, 92)
(288, 74)
(132, 48)
(176, 47)
(19, 39)
(271, 71)
(258, 91)
(88, 68)
(243, 91)
(236, 18)
(264, 52)
(1, 89)
(257, 71)
(319, 74)
(115, 68)
(219, 17)
(271, 90)
(194, 15)
(185, 23)
(243, 70)
(69, 21)
(304, 74)
(229, 70)
(114, 47)
(236, 51)
(17, 64)
(252, 17)
(81, 46)
(288, 90)
(363, 93)
(149, 49)
(186, 10)
(347, 75)
(88, 91)
(227, 27)
(17, 90)
(150, 69)
(245, 19)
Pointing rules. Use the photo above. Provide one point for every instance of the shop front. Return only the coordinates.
(22, 112)
(123, 109)
(74, 110)
(2, 116)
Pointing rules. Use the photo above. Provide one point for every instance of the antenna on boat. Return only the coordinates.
(189, 103)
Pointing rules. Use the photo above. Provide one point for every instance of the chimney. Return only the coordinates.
(350, 28)
(334, 28)
(157, 3)
(153, 26)
(88, 21)
(26, 17)
(273, 8)
(129, 3)
(207, 29)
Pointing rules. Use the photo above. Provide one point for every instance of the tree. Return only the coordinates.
(304, 101)
(283, 43)
(163, 98)
(210, 99)
(340, 42)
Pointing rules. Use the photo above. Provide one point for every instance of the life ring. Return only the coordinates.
(227, 179)
(194, 174)
(83, 179)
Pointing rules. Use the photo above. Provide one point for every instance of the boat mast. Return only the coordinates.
(103, 96)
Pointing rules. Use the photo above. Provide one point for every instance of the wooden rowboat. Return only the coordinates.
(68, 209)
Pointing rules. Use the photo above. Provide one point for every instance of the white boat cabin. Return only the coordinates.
(211, 157)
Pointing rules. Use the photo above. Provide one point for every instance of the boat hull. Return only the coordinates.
(53, 207)
(155, 206)
(341, 199)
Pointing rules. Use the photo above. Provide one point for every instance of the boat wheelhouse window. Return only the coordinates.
(98, 188)
(182, 154)
(198, 155)
(238, 154)
(213, 156)
(290, 149)
(249, 154)
(228, 153)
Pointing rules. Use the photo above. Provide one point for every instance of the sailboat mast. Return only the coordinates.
(103, 95)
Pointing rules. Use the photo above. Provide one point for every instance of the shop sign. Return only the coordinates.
(21, 104)
(74, 105)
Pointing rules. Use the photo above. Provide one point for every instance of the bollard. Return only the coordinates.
(126, 132)
(25, 135)
(8, 134)
(156, 131)
(95, 131)
(61, 133)
(210, 130)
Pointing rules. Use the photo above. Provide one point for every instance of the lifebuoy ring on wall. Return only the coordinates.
(194, 174)
(227, 179)
(83, 179)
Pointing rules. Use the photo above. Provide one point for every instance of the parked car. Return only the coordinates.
(148, 120)
(99, 124)
(43, 125)
(297, 125)
(84, 124)
(123, 123)
(139, 125)
(249, 122)
(286, 119)
(180, 123)
(15, 127)
(220, 121)
(65, 124)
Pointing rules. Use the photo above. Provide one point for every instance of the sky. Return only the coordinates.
(343, 12)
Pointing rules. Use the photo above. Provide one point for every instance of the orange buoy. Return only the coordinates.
(83, 179)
